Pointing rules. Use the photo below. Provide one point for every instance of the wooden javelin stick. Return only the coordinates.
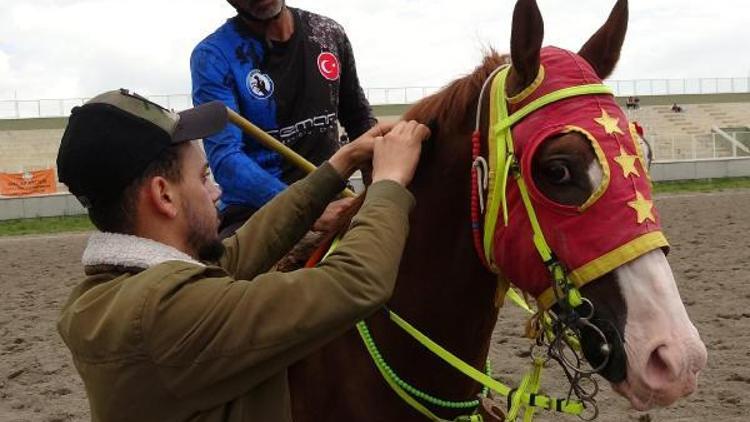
(269, 141)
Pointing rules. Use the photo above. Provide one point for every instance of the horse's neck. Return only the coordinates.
(442, 288)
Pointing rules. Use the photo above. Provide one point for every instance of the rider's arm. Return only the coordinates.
(242, 180)
(354, 109)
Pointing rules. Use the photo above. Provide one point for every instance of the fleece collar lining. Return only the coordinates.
(128, 251)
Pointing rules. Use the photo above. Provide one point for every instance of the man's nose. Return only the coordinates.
(215, 192)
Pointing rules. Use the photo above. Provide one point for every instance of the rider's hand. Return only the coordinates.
(395, 155)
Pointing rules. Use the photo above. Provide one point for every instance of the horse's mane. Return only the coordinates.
(449, 110)
(452, 108)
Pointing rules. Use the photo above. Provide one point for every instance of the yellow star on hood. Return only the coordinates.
(643, 207)
(609, 123)
(627, 162)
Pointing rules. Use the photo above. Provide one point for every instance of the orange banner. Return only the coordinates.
(28, 183)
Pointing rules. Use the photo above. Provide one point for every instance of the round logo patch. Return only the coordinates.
(328, 64)
(259, 84)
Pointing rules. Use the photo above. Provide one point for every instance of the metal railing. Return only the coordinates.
(19, 109)
(15, 108)
(59, 107)
(647, 87)
(679, 147)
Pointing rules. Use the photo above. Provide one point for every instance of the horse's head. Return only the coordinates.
(587, 186)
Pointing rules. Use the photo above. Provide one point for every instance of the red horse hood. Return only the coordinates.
(617, 224)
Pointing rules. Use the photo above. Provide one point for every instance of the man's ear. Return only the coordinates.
(163, 196)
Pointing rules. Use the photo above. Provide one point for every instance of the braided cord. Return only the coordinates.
(381, 363)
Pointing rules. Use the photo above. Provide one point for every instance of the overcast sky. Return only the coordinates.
(75, 48)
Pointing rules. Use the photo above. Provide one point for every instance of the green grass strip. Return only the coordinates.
(702, 185)
(79, 223)
(45, 225)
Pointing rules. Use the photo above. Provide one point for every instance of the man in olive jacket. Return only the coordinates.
(173, 325)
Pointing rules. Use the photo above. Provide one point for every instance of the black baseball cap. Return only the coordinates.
(112, 138)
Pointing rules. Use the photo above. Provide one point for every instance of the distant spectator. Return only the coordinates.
(638, 128)
(645, 145)
(677, 108)
(633, 103)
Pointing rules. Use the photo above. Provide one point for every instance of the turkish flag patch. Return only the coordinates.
(328, 64)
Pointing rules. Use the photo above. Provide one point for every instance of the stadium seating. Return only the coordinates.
(690, 134)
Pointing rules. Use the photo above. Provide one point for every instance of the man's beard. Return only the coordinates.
(203, 239)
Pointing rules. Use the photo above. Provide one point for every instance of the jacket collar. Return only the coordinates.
(125, 251)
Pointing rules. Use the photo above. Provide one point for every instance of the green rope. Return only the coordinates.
(381, 363)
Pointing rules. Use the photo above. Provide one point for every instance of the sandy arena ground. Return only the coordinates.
(710, 255)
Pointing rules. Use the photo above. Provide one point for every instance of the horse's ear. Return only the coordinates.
(525, 44)
(602, 50)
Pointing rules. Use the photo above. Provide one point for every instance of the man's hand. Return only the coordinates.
(332, 215)
(395, 155)
(358, 153)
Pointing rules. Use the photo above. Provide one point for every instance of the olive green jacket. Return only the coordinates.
(157, 336)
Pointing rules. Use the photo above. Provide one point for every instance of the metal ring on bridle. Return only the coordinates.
(595, 409)
(575, 367)
(559, 343)
(537, 353)
(591, 308)
(581, 392)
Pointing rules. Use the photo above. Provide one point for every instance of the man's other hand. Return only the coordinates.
(332, 215)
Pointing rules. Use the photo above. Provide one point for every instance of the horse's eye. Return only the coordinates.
(558, 173)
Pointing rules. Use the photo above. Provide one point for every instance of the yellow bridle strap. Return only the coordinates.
(518, 300)
(606, 263)
(400, 391)
(556, 271)
(539, 241)
(498, 152)
(501, 151)
(535, 382)
(552, 97)
(530, 384)
(572, 407)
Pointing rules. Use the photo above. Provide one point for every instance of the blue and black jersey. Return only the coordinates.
(296, 91)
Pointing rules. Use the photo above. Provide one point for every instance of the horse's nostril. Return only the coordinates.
(698, 358)
(662, 368)
(668, 374)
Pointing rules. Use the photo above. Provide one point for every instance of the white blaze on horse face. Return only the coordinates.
(663, 348)
(596, 174)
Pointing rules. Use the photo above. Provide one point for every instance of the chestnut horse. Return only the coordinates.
(445, 290)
